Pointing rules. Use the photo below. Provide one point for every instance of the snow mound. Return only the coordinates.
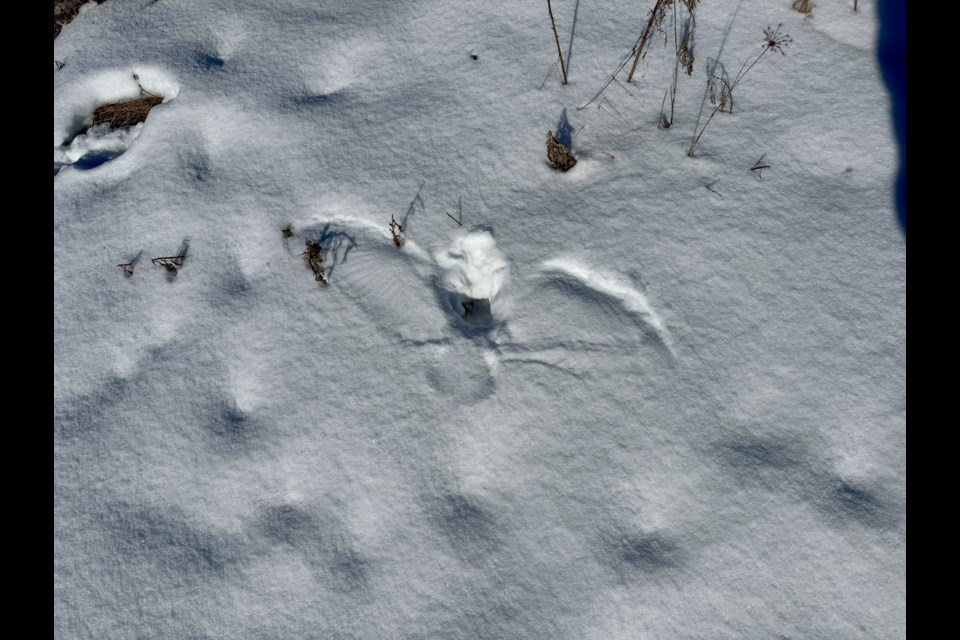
(99, 144)
(474, 273)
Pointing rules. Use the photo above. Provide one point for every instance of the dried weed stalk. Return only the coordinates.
(719, 86)
(458, 220)
(396, 232)
(128, 267)
(656, 21)
(773, 41)
(657, 14)
(687, 36)
(759, 166)
(314, 257)
(173, 263)
(805, 6)
(553, 23)
(683, 44)
(170, 263)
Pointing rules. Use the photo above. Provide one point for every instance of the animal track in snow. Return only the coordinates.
(461, 371)
(613, 286)
(473, 274)
(391, 286)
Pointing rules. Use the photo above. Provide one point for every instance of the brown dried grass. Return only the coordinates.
(557, 154)
(123, 114)
(314, 258)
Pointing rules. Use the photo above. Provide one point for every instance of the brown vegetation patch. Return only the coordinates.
(122, 114)
(557, 154)
(64, 11)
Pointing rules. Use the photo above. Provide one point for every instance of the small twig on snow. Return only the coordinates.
(758, 167)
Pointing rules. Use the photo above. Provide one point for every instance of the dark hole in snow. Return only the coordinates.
(472, 316)
(476, 311)
(96, 158)
(90, 160)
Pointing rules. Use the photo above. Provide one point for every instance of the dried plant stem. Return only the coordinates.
(693, 145)
(314, 258)
(723, 43)
(774, 41)
(563, 68)
(458, 220)
(549, 71)
(128, 267)
(664, 123)
(397, 233)
(644, 38)
(170, 263)
(676, 68)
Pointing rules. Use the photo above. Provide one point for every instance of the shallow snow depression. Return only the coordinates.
(652, 396)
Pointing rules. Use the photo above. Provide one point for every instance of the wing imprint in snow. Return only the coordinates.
(617, 287)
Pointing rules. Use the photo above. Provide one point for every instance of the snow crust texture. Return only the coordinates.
(653, 396)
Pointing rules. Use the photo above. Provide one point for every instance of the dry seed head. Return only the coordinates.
(557, 154)
(804, 6)
(776, 40)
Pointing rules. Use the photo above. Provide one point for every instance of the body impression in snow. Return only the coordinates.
(474, 273)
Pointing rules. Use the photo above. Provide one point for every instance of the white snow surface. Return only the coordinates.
(613, 404)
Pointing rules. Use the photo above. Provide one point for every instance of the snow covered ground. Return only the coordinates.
(654, 396)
